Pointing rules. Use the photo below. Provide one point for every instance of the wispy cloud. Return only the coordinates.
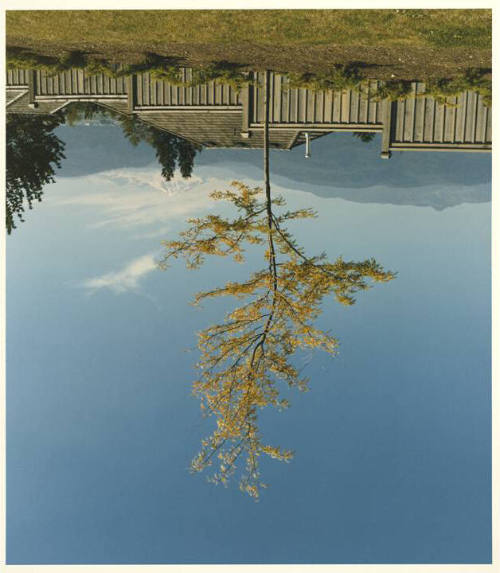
(141, 199)
(125, 279)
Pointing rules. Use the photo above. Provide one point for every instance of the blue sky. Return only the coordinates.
(392, 443)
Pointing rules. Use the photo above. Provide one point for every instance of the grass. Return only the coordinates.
(474, 80)
(349, 78)
(338, 78)
(133, 29)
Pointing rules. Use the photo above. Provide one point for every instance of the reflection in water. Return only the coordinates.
(171, 151)
(34, 151)
(33, 154)
(179, 114)
(244, 358)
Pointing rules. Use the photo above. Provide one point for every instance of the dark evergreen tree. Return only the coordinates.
(33, 154)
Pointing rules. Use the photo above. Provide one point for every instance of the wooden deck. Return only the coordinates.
(217, 115)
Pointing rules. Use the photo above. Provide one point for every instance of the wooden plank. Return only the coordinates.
(372, 105)
(245, 111)
(461, 117)
(311, 106)
(302, 105)
(182, 95)
(80, 82)
(354, 112)
(292, 104)
(345, 107)
(387, 130)
(476, 114)
(420, 105)
(399, 120)
(146, 99)
(32, 87)
(337, 106)
(132, 93)
(319, 112)
(428, 119)
(488, 127)
(154, 95)
(479, 127)
(328, 105)
(38, 76)
(276, 105)
(363, 108)
(471, 117)
(438, 123)
(189, 90)
(409, 119)
(454, 104)
(486, 120)
(285, 103)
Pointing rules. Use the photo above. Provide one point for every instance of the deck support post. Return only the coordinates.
(132, 92)
(386, 132)
(245, 105)
(32, 89)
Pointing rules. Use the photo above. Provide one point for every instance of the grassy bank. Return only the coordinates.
(133, 29)
(401, 43)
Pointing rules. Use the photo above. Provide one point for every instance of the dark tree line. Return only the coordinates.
(34, 152)
(172, 152)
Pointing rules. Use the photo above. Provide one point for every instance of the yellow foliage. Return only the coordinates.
(244, 359)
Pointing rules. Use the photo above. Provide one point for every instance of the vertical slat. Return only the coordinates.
(363, 108)
(372, 105)
(345, 107)
(302, 105)
(81, 82)
(485, 126)
(140, 90)
(311, 106)
(354, 107)
(292, 101)
(284, 103)
(471, 116)
(410, 116)
(488, 129)
(438, 122)
(277, 98)
(428, 119)
(337, 106)
(328, 102)
(420, 103)
(449, 122)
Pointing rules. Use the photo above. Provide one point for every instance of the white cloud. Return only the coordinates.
(140, 199)
(125, 279)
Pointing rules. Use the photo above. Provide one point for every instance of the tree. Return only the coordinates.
(33, 154)
(171, 151)
(246, 357)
